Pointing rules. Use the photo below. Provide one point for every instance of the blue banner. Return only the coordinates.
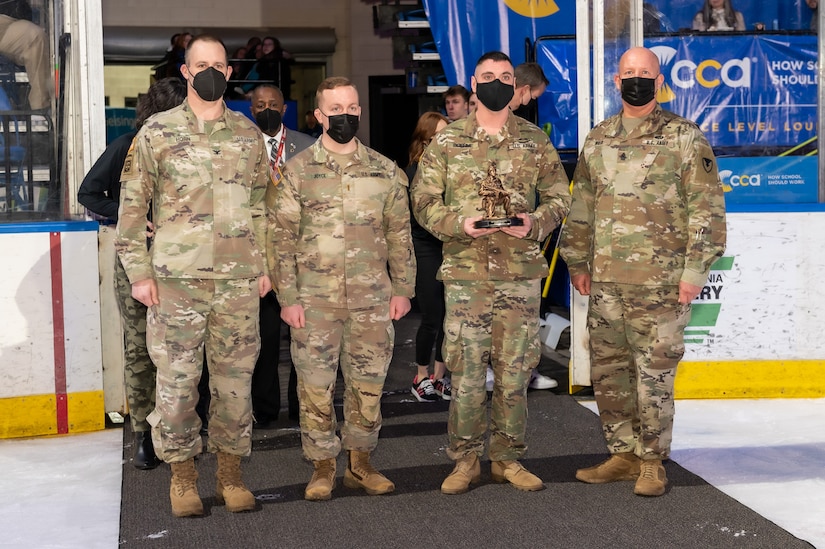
(118, 122)
(769, 180)
(743, 91)
(464, 30)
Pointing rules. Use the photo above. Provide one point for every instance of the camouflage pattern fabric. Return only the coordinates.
(138, 369)
(206, 182)
(494, 319)
(207, 188)
(335, 229)
(340, 245)
(636, 342)
(490, 323)
(362, 339)
(221, 315)
(648, 207)
(445, 192)
(648, 213)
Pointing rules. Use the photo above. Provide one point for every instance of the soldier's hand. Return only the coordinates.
(472, 231)
(293, 315)
(264, 285)
(150, 229)
(146, 291)
(688, 292)
(522, 230)
(582, 283)
(399, 306)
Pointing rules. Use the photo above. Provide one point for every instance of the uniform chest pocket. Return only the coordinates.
(189, 168)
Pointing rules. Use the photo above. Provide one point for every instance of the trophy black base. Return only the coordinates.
(495, 223)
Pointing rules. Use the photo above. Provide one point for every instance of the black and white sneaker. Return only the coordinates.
(423, 390)
(443, 388)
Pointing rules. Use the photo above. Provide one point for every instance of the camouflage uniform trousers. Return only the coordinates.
(636, 342)
(363, 340)
(491, 322)
(138, 369)
(222, 317)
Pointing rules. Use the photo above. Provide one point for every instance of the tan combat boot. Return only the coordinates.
(322, 482)
(623, 466)
(514, 472)
(183, 491)
(230, 487)
(467, 471)
(361, 474)
(652, 479)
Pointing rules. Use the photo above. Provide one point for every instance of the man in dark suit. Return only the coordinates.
(268, 108)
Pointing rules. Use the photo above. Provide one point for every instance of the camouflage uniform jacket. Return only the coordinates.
(445, 193)
(648, 207)
(207, 192)
(335, 229)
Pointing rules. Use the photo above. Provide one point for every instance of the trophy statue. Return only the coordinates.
(494, 198)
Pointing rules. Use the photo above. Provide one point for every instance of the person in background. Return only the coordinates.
(531, 83)
(176, 56)
(27, 44)
(273, 66)
(204, 171)
(814, 5)
(492, 275)
(429, 291)
(718, 15)
(341, 256)
(311, 126)
(268, 109)
(472, 103)
(457, 102)
(100, 193)
(641, 269)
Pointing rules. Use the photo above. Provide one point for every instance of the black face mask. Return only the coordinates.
(495, 95)
(342, 127)
(638, 91)
(210, 84)
(269, 121)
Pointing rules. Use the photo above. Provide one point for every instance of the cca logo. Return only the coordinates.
(729, 180)
(734, 73)
(533, 8)
(709, 73)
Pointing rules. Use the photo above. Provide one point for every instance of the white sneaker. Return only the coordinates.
(538, 381)
(491, 380)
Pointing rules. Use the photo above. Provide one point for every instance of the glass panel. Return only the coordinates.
(29, 185)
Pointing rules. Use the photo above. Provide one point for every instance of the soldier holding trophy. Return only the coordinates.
(492, 188)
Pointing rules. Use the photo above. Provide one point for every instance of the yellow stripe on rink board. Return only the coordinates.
(86, 412)
(36, 415)
(751, 379)
(28, 416)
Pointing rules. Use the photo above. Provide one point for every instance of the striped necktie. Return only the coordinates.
(273, 152)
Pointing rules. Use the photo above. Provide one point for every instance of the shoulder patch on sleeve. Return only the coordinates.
(129, 163)
(707, 163)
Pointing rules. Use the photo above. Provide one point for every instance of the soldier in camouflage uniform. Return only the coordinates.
(646, 223)
(339, 218)
(100, 193)
(491, 276)
(204, 170)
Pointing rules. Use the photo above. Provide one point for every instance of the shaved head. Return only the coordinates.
(639, 58)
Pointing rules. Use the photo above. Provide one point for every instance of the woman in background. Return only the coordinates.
(718, 15)
(429, 292)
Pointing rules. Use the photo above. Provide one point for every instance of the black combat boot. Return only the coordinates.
(145, 457)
